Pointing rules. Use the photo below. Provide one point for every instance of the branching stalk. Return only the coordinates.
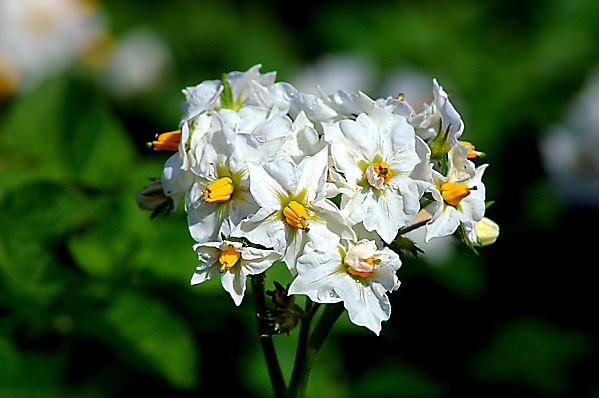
(268, 348)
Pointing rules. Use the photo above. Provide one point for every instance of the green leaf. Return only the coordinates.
(154, 335)
(64, 130)
(10, 359)
(94, 143)
(29, 135)
(35, 219)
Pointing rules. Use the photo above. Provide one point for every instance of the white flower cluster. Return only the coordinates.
(321, 182)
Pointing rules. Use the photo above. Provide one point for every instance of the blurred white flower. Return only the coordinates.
(569, 148)
(332, 72)
(140, 63)
(41, 37)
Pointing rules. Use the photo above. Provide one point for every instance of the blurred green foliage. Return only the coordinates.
(95, 297)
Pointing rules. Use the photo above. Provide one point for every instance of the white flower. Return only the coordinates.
(459, 196)
(303, 141)
(220, 189)
(42, 37)
(358, 274)
(316, 109)
(207, 95)
(341, 105)
(234, 261)
(384, 166)
(426, 123)
(293, 208)
(238, 103)
(247, 89)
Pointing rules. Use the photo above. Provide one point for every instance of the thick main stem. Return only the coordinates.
(272, 363)
(308, 347)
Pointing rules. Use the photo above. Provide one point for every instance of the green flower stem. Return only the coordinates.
(272, 363)
(299, 368)
(308, 347)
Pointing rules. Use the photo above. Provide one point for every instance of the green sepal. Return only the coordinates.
(226, 97)
(427, 199)
(438, 144)
(443, 165)
(163, 210)
(244, 241)
(402, 245)
(460, 236)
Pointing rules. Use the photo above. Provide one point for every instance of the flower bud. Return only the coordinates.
(152, 197)
(487, 231)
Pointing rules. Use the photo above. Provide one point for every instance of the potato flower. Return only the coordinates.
(220, 188)
(294, 209)
(356, 273)
(459, 197)
(384, 167)
(233, 260)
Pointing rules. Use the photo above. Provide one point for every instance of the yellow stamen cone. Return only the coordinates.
(370, 261)
(454, 192)
(382, 170)
(228, 258)
(218, 191)
(472, 153)
(296, 215)
(166, 141)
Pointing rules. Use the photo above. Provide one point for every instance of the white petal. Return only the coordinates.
(204, 222)
(176, 181)
(265, 189)
(203, 275)
(313, 171)
(385, 214)
(317, 272)
(444, 223)
(364, 305)
(234, 282)
(265, 229)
